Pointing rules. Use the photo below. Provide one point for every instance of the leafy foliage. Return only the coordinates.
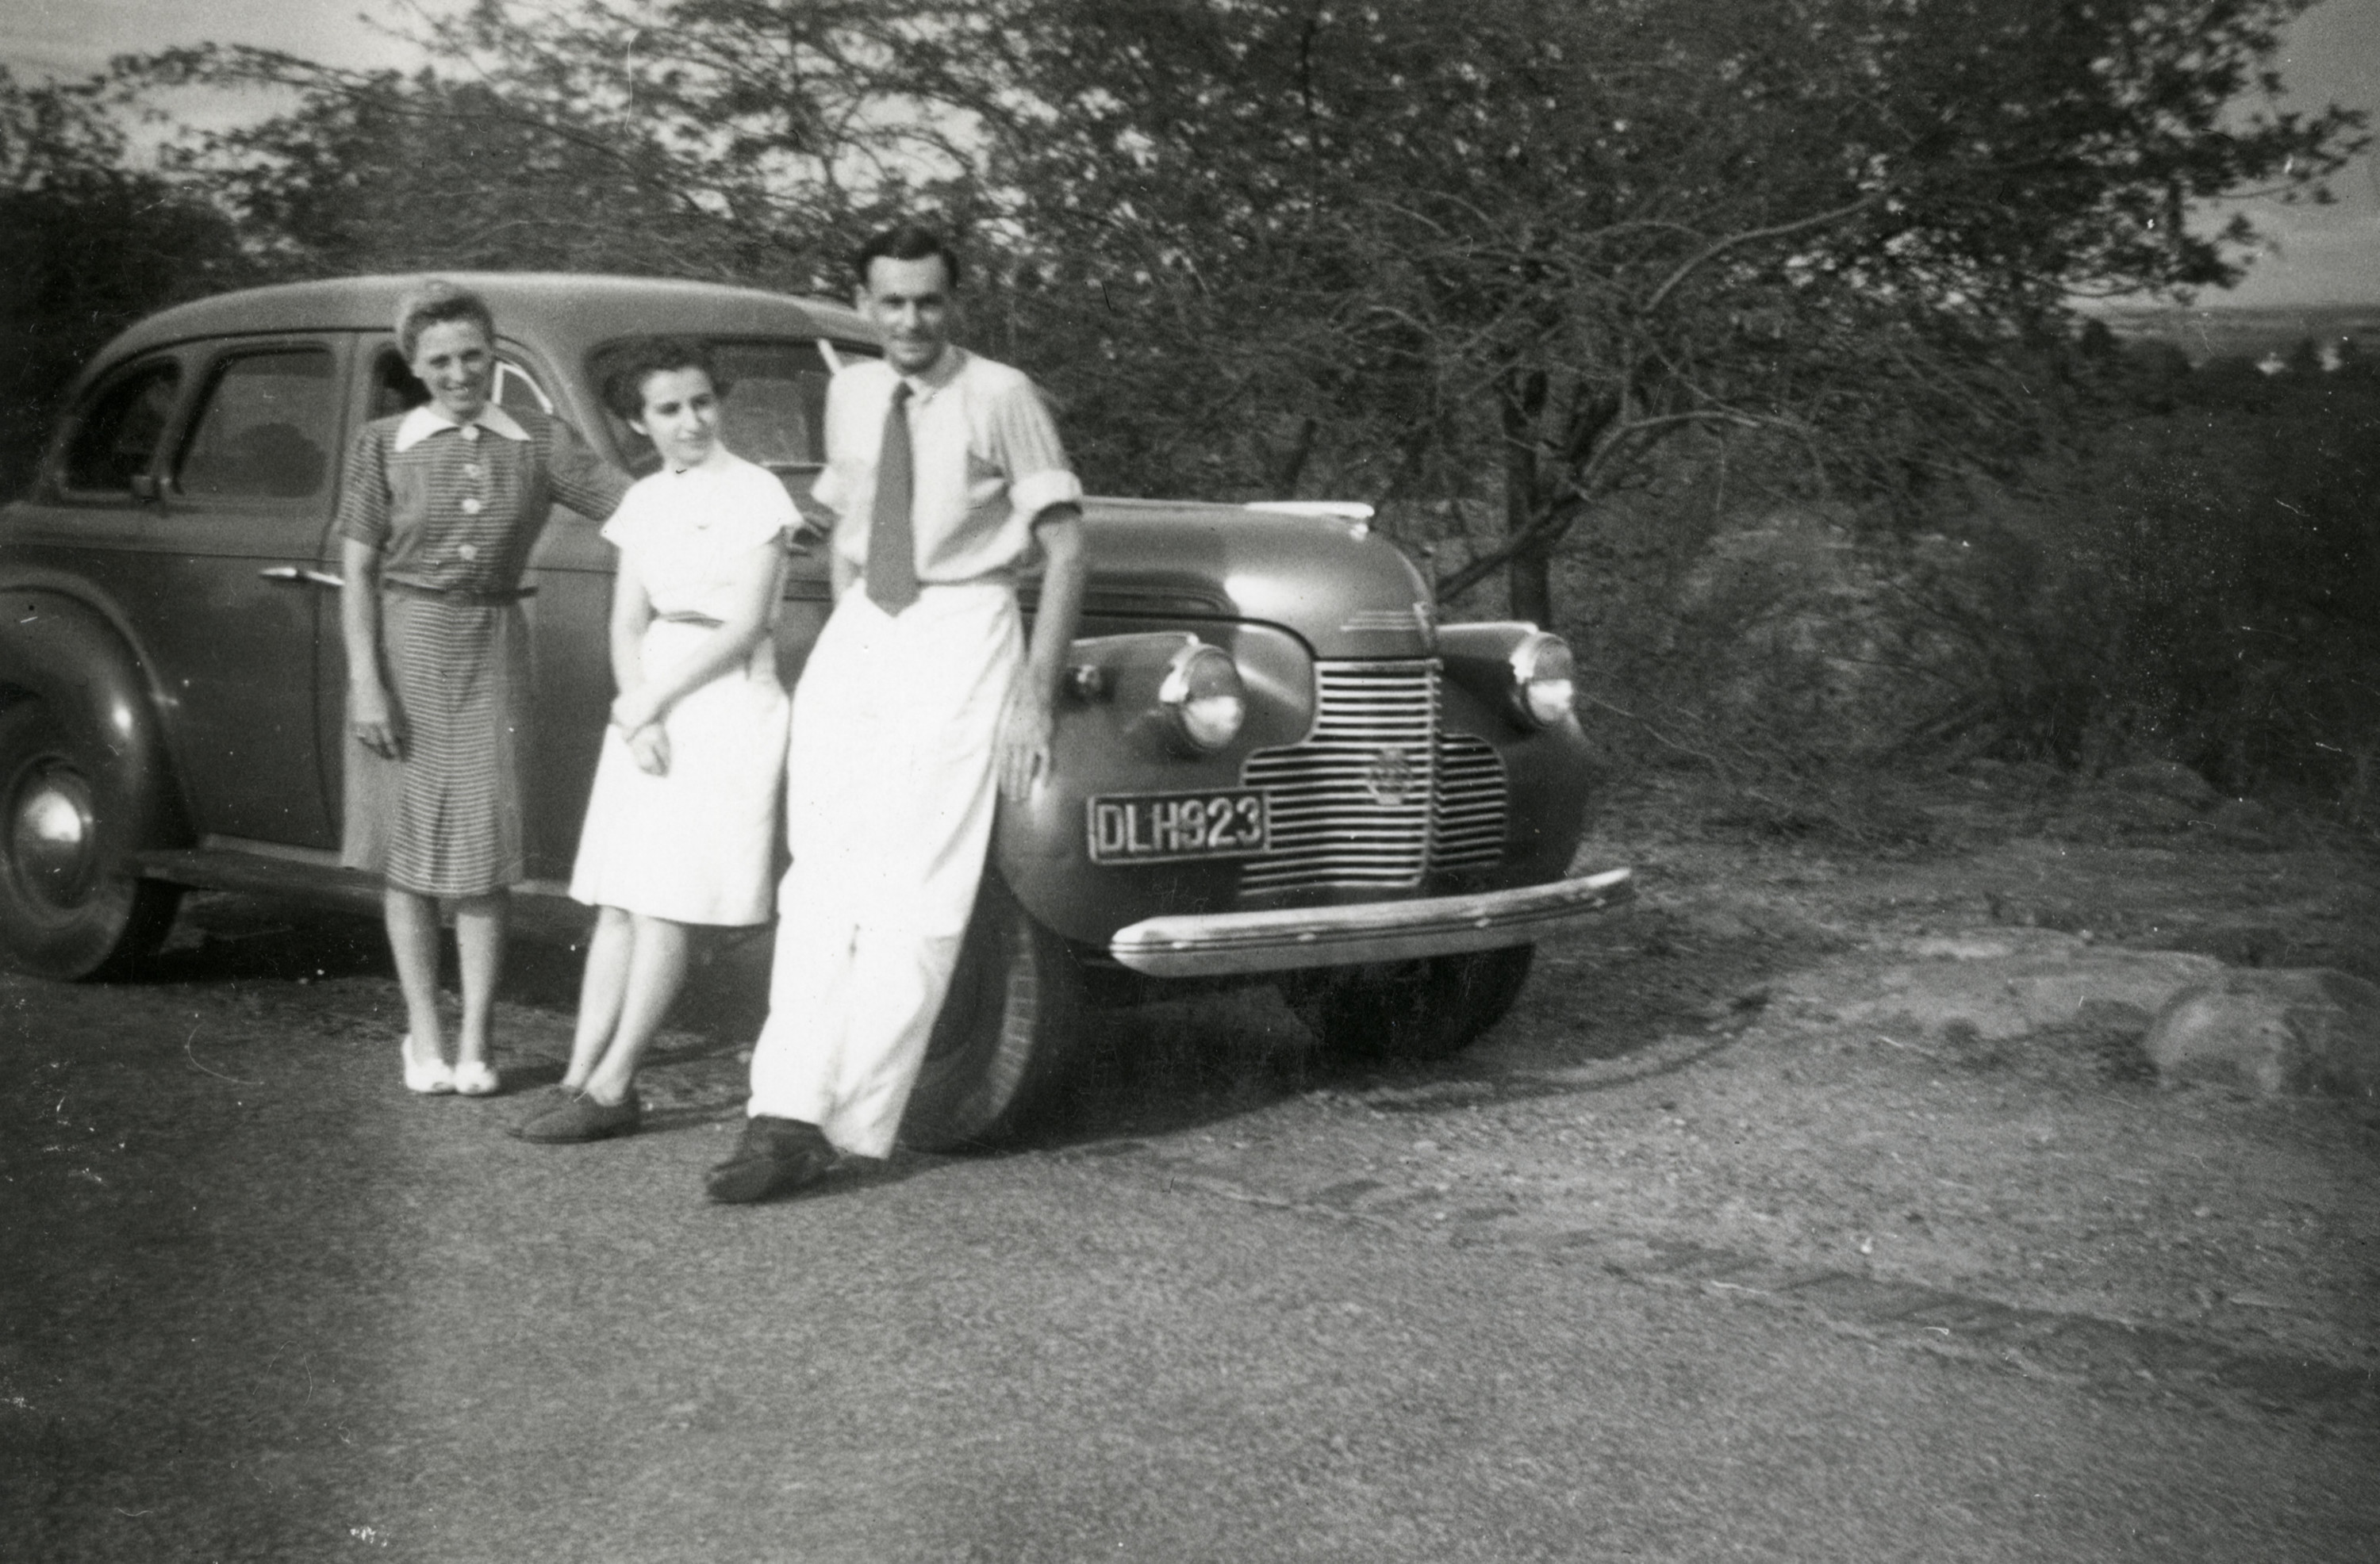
(87, 247)
(1530, 274)
(2207, 588)
(746, 139)
(1509, 250)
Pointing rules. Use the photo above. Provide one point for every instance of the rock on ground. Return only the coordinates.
(2278, 1033)
(2015, 982)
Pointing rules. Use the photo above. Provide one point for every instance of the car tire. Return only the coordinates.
(1417, 1009)
(70, 905)
(1005, 1032)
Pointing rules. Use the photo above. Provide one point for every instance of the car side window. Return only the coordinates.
(265, 429)
(771, 402)
(116, 438)
(394, 390)
(516, 390)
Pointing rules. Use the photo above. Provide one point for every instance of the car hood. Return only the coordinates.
(1332, 580)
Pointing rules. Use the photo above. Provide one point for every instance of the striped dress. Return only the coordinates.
(455, 512)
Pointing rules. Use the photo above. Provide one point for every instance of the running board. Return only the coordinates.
(541, 909)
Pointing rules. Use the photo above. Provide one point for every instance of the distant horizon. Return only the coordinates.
(2228, 303)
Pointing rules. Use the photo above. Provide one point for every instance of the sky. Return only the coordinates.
(72, 38)
(2314, 255)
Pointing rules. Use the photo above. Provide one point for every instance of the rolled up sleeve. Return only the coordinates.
(1026, 439)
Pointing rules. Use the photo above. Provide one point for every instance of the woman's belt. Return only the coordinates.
(467, 596)
(704, 620)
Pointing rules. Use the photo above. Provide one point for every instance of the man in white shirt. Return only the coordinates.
(921, 704)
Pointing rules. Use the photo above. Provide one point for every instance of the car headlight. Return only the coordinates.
(1204, 698)
(1545, 679)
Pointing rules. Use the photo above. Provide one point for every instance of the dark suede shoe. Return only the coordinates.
(774, 1156)
(578, 1117)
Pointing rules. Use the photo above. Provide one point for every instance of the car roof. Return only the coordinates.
(566, 312)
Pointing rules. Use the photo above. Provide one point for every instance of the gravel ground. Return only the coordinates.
(1917, 1061)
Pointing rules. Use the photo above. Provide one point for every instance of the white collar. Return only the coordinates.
(716, 461)
(426, 420)
(934, 376)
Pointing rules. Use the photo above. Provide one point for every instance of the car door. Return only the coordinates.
(237, 607)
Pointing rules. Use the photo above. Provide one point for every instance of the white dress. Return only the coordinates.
(697, 845)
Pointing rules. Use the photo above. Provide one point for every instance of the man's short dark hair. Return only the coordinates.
(624, 387)
(908, 241)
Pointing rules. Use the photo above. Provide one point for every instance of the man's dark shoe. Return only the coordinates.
(775, 1156)
(578, 1117)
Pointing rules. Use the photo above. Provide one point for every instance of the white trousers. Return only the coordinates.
(889, 800)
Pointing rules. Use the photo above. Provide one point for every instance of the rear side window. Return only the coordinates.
(265, 430)
(116, 438)
(772, 408)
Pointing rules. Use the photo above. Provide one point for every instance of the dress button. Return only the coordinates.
(468, 551)
(470, 507)
(470, 469)
(471, 431)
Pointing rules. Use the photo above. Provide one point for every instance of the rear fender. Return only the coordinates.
(61, 651)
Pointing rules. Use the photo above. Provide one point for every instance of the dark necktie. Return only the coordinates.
(892, 543)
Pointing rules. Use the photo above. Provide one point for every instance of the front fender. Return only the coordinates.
(61, 651)
(1548, 771)
(1112, 738)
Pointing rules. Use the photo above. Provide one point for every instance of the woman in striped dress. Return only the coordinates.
(438, 511)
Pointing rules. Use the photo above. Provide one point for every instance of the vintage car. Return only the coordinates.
(1274, 763)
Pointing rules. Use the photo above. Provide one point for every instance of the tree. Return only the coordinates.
(1542, 240)
(1501, 254)
(744, 139)
(87, 246)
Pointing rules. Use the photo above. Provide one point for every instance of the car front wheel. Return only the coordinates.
(70, 906)
(1005, 1032)
(1409, 1009)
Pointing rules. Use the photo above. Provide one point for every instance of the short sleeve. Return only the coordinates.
(1026, 439)
(627, 526)
(757, 510)
(363, 490)
(581, 479)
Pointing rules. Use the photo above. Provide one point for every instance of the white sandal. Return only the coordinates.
(430, 1080)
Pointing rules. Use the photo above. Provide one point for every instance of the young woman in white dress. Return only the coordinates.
(682, 826)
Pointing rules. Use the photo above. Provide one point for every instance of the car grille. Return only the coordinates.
(1469, 829)
(1372, 797)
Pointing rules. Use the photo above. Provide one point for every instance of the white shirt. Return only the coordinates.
(691, 532)
(985, 454)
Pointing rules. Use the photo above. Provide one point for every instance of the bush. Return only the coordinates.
(2200, 586)
(2203, 588)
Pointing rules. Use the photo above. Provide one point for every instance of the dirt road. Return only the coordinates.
(1816, 1138)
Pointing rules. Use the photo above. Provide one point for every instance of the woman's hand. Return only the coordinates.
(373, 720)
(649, 745)
(634, 709)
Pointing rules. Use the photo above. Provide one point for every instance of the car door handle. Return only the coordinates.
(299, 573)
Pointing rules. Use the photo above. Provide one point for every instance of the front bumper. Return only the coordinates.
(1228, 945)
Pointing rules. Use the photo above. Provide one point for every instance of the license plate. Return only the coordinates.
(1145, 827)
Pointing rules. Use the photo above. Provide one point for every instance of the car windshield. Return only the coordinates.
(772, 406)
